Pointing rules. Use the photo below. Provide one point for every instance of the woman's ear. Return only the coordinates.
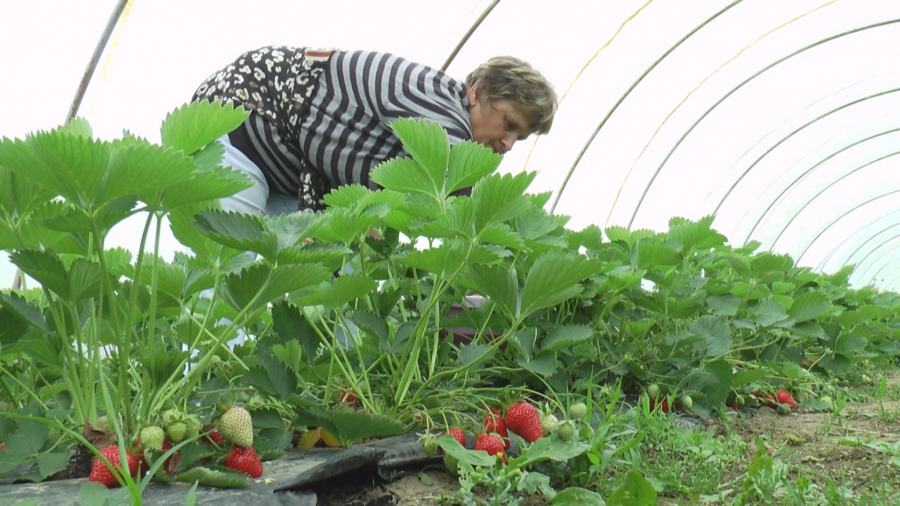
(472, 94)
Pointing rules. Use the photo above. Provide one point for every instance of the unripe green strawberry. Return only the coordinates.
(176, 431)
(193, 426)
(566, 430)
(171, 416)
(740, 400)
(152, 437)
(577, 411)
(237, 426)
(653, 391)
(827, 400)
(429, 445)
(103, 423)
(783, 409)
(54, 434)
(687, 402)
(549, 423)
(451, 463)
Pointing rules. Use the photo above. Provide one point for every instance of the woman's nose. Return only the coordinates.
(508, 141)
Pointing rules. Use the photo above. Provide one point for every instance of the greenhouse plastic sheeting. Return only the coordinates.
(780, 118)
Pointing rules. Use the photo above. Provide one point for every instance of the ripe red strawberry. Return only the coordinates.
(215, 436)
(101, 474)
(491, 444)
(2, 447)
(458, 435)
(244, 460)
(663, 404)
(493, 422)
(732, 405)
(523, 419)
(349, 396)
(784, 397)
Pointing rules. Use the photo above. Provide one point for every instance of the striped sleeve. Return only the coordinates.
(346, 131)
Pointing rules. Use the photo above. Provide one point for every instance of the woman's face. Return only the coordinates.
(496, 125)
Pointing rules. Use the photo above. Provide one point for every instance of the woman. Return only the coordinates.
(321, 118)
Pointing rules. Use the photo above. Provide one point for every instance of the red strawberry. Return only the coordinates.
(491, 444)
(732, 405)
(214, 436)
(349, 396)
(458, 435)
(663, 404)
(523, 419)
(784, 397)
(2, 447)
(166, 446)
(101, 474)
(244, 460)
(493, 422)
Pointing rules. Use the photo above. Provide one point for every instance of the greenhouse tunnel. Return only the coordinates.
(779, 118)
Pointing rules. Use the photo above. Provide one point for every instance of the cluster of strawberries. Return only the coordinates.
(235, 426)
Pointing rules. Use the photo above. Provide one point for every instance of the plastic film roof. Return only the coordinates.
(780, 118)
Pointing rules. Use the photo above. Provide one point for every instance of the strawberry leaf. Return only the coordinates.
(222, 478)
(469, 163)
(429, 145)
(194, 125)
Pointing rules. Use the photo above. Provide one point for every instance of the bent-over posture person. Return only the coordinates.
(321, 118)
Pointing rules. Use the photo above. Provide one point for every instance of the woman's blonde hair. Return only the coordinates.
(511, 79)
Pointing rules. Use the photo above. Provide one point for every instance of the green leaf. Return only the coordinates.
(73, 166)
(403, 175)
(469, 163)
(429, 145)
(93, 494)
(18, 306)
(555, 277)
(769, 312)
(550, 448)
(576, 496)
(472, 353)
(714, 381)
(650, 254)
(46, 268)
(849, 343)
(765, 262)
(220, 478)
(272, 377)
(290, 324)
(205, 185)
(144, 170)
(502, 234)
(566, 336)
(84, 279)
(715, 332)
(471, 457)
(371, 323)
(194, 125)
(337, 292)
(443, 260)
(747, 376)
(544, 364)
(809, 306)
(636, 491)
(52, 463)
(245, 232)
(12, 328)
(696, 235)
(191, 499)
(724, 305)
(348, 426)
(498, 198)
(343, 226)
(523, 341)
(500, 284)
